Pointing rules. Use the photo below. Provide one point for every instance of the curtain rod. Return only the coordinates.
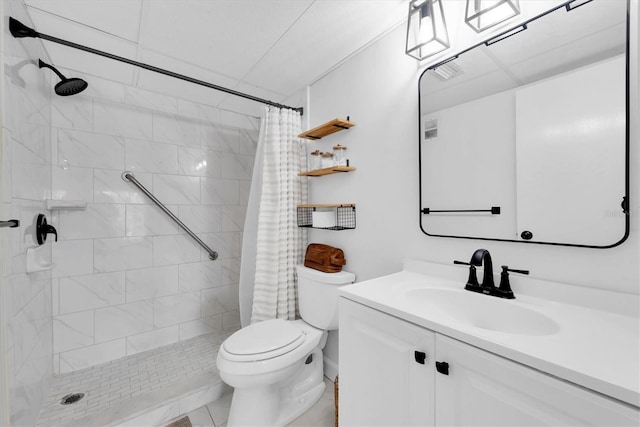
(19, 30)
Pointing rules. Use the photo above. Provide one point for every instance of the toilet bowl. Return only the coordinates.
(276, 366)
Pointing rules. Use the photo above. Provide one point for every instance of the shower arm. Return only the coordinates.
(45, 65)
(19, 30)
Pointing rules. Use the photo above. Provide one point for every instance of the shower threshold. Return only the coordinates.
(148, 388)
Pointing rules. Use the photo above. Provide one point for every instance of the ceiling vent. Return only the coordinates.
(447, 71)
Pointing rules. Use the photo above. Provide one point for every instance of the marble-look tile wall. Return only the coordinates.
(127, 278)
(25, 181)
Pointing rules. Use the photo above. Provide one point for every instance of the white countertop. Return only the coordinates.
(595, 342)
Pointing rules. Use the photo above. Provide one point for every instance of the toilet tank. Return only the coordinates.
(318, 296)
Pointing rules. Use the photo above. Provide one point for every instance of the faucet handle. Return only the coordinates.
(513, 270)
(504, 291)
(472, 281)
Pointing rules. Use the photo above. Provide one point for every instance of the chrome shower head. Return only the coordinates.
(65, 87)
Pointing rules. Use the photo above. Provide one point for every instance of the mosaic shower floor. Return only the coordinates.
(148, 388)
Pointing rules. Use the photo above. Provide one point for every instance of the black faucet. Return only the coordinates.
(480, 257)
(483, 257)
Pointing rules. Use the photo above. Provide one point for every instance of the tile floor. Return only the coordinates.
(146, 388)
(322, 414)
(154, 387)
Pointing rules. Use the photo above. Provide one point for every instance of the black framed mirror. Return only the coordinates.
(525, 137)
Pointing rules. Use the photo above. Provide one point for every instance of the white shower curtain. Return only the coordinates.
(273, 243)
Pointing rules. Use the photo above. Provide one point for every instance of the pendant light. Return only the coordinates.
(483, 14)
(426, 29)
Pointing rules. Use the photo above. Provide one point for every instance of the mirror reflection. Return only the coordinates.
(524, 137)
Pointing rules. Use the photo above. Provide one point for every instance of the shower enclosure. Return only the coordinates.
(125, 279)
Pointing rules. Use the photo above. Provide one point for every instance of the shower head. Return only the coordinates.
(66, 86)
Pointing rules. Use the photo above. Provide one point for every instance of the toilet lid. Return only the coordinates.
(263, 340)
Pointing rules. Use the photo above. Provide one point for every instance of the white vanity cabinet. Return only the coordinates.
(485, 389)
(381, 383)
(384, 380)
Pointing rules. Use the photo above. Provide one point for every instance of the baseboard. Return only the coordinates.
(330, 369)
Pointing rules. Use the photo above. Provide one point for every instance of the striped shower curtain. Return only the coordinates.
(280, 242)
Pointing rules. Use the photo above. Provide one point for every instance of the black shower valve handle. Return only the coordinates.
(42, 229)
(49, 229)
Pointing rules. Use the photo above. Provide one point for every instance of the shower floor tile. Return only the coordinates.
(169, 380)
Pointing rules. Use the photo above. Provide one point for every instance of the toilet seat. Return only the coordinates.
(263, 340)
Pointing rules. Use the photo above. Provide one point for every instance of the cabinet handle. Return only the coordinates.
(420, 356)
(442, 367)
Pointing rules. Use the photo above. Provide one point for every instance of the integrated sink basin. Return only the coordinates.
(481, 311)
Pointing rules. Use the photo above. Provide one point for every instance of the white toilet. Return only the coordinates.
(276, 366)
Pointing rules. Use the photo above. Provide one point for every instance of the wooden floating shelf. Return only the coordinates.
(318, 132)
(327, 171)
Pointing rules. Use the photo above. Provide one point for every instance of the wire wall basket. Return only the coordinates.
(327, 217)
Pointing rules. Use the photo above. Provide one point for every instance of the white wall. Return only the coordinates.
(378, 89)
(26, 181)
(127, 279)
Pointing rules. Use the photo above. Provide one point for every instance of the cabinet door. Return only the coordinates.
(382, 379)
(484, 389)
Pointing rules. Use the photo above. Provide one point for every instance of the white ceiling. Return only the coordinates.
(267, 48)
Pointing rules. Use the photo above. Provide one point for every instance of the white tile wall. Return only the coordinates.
(71, 331)
(199, 275)
(144, 220)
(220, 191)
(124, 253)
(176, 129)
(128, 279)
(86, 149)
(71, 183)
(108, 187)
(26, 344)
(92, 355)
(116, 119)
(152, 339)
(201, 219)
(79, 293)
(72, 257)
(176, 249)
(149, 283)
(73, 113)
(176, 309)
(151, 156)
(199, 162)
(174, 189)
(123, 320)
(95, 222)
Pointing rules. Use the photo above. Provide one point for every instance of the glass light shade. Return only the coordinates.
(426, 29)
(483, 14)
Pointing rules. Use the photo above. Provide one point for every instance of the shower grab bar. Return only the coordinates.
(128, 177)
